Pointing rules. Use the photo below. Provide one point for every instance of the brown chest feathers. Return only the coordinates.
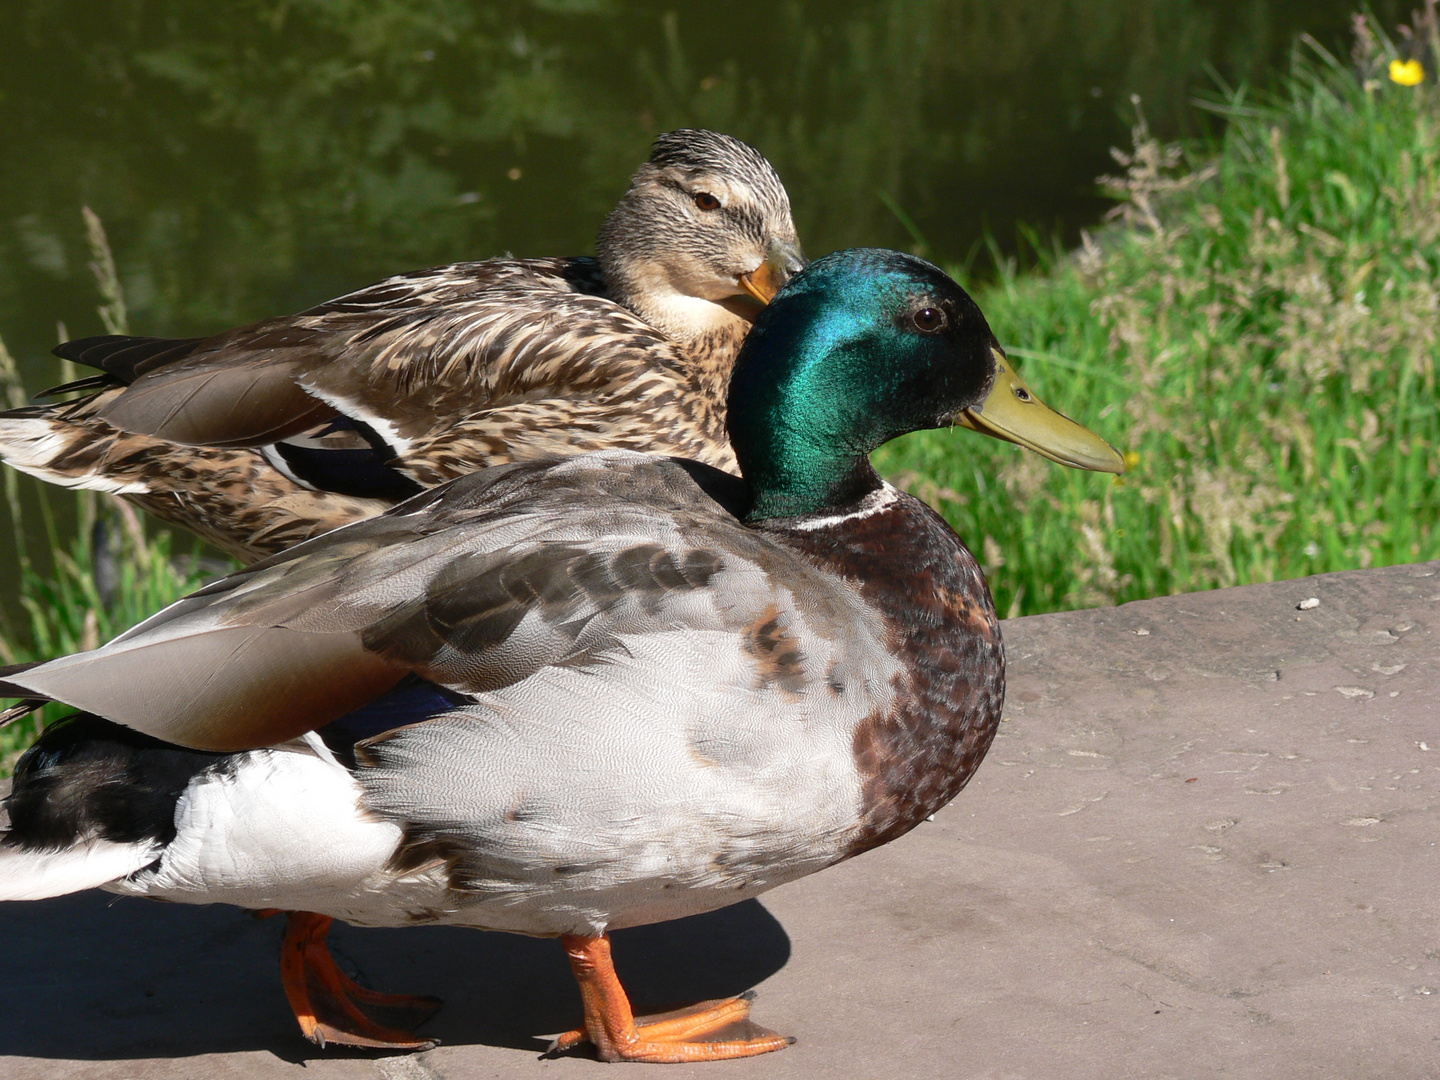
(917, 754)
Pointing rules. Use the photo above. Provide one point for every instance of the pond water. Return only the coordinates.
(256, 157)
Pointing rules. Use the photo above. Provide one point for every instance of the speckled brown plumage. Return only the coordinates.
(588, 376)
(266, 435)
(231, 497)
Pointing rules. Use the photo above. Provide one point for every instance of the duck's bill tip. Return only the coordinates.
(1011, 411)
(782, 263)
(761, 283)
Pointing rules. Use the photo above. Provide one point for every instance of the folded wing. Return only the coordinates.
(475, 586)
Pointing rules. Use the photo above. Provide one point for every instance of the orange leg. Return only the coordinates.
(327, 1002)
(673, 1037)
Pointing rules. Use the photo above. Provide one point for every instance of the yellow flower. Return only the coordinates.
(1132, 458)
(1407, 72)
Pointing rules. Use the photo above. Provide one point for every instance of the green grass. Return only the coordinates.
(66, 612)
(67, 609)
(1257, 330)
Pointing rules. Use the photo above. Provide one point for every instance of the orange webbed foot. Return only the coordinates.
(328, 1003)
(710, 1031)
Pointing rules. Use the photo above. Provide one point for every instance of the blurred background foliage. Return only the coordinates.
(1258, 330)
(258, 156)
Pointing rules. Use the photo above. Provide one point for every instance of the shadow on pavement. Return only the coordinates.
(99, 977)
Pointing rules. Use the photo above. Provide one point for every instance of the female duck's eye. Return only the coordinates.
(928, 320)
(705, 201)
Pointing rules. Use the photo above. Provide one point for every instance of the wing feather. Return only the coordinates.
(476, 586)
(246, 405)
(414, 353)
(231, 688)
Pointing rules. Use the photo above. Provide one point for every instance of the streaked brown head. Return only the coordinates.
(702, 237)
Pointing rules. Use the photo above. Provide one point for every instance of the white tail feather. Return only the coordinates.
(38, 875)
(32, 443)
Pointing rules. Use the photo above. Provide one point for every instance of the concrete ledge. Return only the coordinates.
(1204, 844)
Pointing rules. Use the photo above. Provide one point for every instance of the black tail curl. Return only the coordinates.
(86, 778)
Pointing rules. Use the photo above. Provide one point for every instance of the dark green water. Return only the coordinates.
(256, 157)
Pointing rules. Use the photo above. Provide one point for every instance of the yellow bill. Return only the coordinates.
(1011, 411)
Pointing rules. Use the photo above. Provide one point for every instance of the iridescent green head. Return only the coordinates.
(864, 346)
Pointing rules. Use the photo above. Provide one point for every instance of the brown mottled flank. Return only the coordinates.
(231, 497)
(455, 356)
(917, 756)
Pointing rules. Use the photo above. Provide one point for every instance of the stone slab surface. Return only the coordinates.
(1204, 844)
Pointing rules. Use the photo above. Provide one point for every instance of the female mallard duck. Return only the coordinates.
(261, 437)
(562, 697)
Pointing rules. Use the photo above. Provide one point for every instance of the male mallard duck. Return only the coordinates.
(261, 437)
(566, 696)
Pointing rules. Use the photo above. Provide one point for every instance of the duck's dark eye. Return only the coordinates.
(705, 201)
(928, 320)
